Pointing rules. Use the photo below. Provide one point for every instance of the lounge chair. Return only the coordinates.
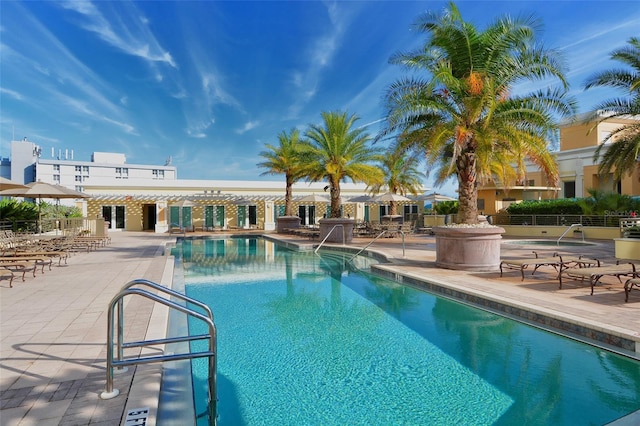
(38, 260)
(628, 285)
(557, 261)
(20, 267)
(595, 274)
(6, 273)
(60, 255)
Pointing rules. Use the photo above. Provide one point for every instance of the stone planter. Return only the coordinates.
(341, 225)
(287, 222)
(468, 249)
(627, 248)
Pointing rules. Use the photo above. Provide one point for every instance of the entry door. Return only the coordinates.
(242, 216)
(302, 214)
(253, 215)
(219, 218)
(208, 217)
(115, 215)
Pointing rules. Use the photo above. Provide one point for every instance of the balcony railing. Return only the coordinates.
(558, 220)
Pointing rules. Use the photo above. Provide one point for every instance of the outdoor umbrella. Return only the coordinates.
(314, 198)
(361, 199)
(42, 190)
(9, 184)
(391, 198)
(434, 199)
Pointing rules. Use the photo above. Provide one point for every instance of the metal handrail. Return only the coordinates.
(211, 353)
(575, 225)
(327, 236)
(380, 235)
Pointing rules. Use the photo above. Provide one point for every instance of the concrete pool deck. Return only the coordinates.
(53, 327)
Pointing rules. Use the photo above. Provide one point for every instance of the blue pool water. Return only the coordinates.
(305, 340)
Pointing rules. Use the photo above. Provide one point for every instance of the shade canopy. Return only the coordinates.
(390, 196)
(44, 190)
(361, 199)
(9, 184)
(435, 198)
(314, 198)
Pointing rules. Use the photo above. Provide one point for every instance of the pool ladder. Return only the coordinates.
(115, 358)
(575, 225)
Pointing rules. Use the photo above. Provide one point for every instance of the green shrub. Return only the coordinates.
(546, 207)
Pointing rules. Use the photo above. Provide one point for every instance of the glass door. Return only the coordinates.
(115, 216)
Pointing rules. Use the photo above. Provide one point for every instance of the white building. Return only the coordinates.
(29, 164)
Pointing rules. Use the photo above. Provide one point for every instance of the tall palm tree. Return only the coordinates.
(284, 159)
(336, 151)
(623, 156)
(401, 174)
(465, 114)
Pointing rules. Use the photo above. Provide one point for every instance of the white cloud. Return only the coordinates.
(11, 93)
(128, 32)
(248, 126)
(319, 57)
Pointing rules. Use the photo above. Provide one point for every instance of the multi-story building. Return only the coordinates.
(577, 167)
(29, 164)
(140, 197)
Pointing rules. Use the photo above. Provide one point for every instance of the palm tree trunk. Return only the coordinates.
(288, 198)
(467, 189)
(393, 208)
(335, 198)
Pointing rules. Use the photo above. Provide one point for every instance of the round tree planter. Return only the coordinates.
(287, 222)
(468, 249)
(336, 228)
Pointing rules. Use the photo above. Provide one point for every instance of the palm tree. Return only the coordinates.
(401, 174)
(336, 151)
(284, 159)
(465, 115)
(623, 156)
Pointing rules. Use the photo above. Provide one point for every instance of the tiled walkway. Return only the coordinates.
(53, 327)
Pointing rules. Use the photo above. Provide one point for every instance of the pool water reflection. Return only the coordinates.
(306, 339)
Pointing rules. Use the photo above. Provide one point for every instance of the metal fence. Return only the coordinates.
(71, 225)
(558, 220)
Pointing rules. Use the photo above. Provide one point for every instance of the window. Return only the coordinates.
(480, 204)
(78, 178)
(122, 173)
(531, 182)
(79, 188)
(570, 189)
(85, 169)
(158, 174)
(78, 168)
(56, 178)
(56, 167)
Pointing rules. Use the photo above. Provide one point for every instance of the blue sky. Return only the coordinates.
(209, 83)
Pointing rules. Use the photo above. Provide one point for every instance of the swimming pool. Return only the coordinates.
(305, 339)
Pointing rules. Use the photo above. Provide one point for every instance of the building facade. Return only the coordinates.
(578, 171)
(146, 197)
